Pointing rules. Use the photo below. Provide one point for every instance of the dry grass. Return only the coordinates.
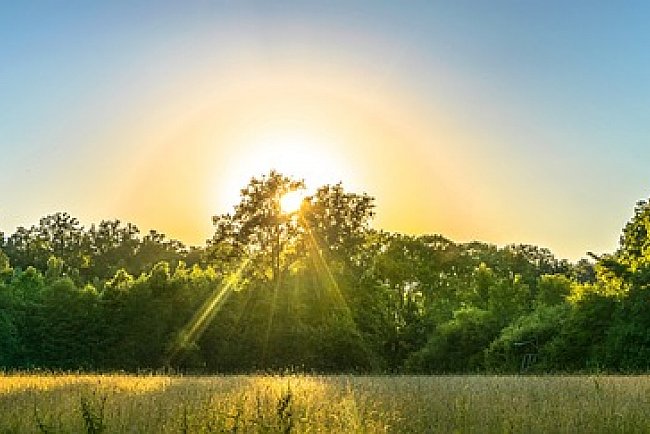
(298, 403)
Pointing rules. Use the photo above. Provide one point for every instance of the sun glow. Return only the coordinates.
(292, 201)
(302, 154)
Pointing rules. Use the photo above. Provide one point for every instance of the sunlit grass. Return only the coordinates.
(43, 383)
(301, 403)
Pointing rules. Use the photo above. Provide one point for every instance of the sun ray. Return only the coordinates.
(323, 269)
(202, 318)
(269, 322)
(242, 309)
(293, 298)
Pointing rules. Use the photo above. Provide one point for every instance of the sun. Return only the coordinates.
(291, 202)
(313, 156)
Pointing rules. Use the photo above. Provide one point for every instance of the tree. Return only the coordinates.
(338, 220)
(154, 248)
(416, 272)
(457, 345)
(9, 336)
(580, 343)
(258, 229)
(5, 268)
(552, 289)
(583, 271)
(58, 235)
(112, 247)
(526, 335)
(315, 257)
(625, 276)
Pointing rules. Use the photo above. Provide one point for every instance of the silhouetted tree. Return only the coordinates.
(258, 229)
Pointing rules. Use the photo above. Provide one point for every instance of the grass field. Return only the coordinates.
(298, 403)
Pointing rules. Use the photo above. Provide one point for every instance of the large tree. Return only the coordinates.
(330, 222)
(258, 230)
(338, 220)
(58, 234)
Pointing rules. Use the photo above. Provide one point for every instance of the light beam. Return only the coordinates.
(202, 318)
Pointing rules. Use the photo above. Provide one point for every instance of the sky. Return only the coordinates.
(501, 121)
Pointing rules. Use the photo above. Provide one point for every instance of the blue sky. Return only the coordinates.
(519, 121)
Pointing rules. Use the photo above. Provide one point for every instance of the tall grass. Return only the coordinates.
(299, 403)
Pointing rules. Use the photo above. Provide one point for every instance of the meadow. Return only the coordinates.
(70, 403)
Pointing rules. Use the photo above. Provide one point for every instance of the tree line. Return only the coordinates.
(316, 289)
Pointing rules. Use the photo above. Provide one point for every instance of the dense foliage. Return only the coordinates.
(315, 289)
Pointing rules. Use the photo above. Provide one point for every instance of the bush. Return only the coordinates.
(526, 335)
(457, 345)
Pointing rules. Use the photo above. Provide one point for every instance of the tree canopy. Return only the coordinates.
(316, 288)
